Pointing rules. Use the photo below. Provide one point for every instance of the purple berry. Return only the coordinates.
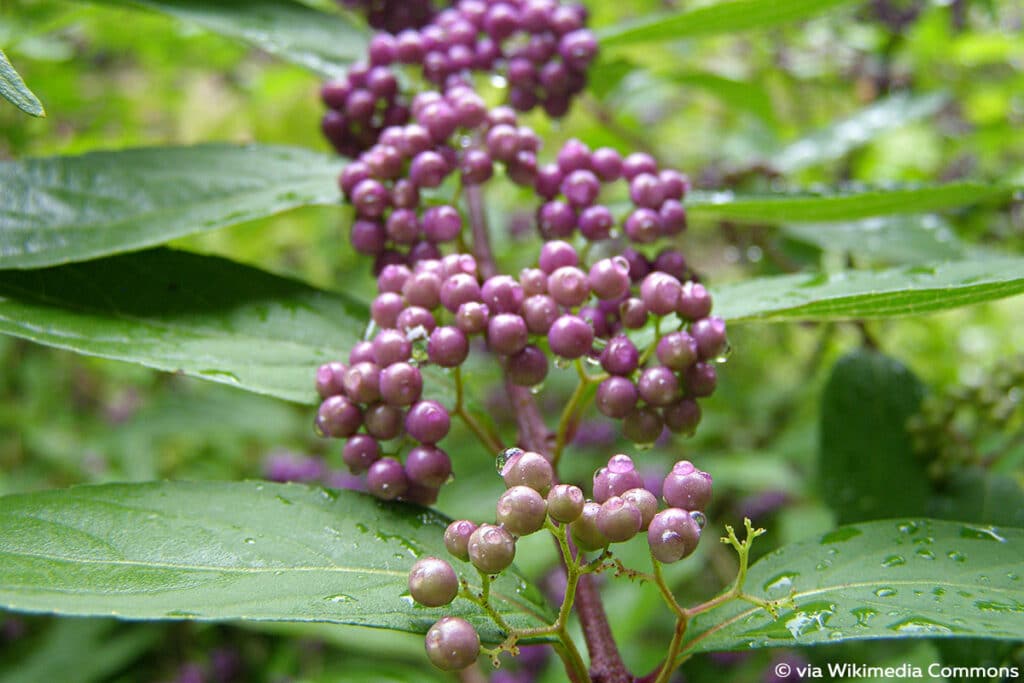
(637, 163)
(416, 322)
(620, 356)
(687, 487)
(427, 422)
(645, 502)
(557, 254)
(619, 476)
(660, 293)
(570, 337)
(428, 466)
(507, 333)
(502, 294)
(385, 309)
(447, 347)
(609, 278)
(700, 379)
(392, 278)
(534, 282)
(548, 182)
(428, 169)
(370, 198)
(682, 417)
(432, 582)
(596, 222)
(442, 223)
(338, 417)
(709, 333)
(672, 535)
(694, 301)
(565, 503)
(452, 644)
(400, 384)
(581, 188)
(556, 219)
(607, 164)
(569, 286)
(658, 385)
(472, 317)
(584, 530)
(633, 313)
(527, 368)
(677, 350)
(459, 289)
(383, 422)
(573, 156)
(386, 479)
(540, 313)
(368, 236)
(491, 548)
(456, 538)
(642, 426)
(362, 381)
(521, 510)
(329, 379)
(390, 347)
(673, 217)
(619, 519)
(528, 469)
(616, 397)
(360, 452)
(476, 167)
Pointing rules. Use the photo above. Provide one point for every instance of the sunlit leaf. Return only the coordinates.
(14, 90)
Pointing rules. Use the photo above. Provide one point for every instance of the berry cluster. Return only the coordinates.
(541, 47)
(393, 15)
(620, 509)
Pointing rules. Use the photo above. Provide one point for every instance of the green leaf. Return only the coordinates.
(320, 41)
(866, 461)
(842, 205)
(63, 209)
(94, 649)
(200, 315)
(837, 140)
(14, 90)
(889, 239)
(718, 19)
(884, 579)
(982, 497)
(233, 550)
(742, 95)
(859, 294)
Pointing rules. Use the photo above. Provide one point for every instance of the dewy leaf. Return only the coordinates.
(233, 550)
(842, 205)
(884, 579)
(861, 294)
(888, 239)
(838, 139)
(866, 461)
(170, 310)
(62, 209)
(320, 41)
(14, 90)
(721, 18)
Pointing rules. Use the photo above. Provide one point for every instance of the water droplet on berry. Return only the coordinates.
(502, 459)
(700, 518)
(724, 355)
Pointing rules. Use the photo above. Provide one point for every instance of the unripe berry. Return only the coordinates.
(428, 466)
(618, 519)
(386, 479)
(687, 487)
(452, 644)
(456, 538)
(645, 501)
(584, 530)
(565, 503)
(432, 582)
(570, 337)
(616, 397)
(521, 510)
(672, 535)
(338, 417)
(529, 469)
(360, 452)
(427, 422)
(491, 549)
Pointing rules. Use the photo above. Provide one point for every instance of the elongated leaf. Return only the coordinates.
(842, 206)
(232, 550)
(294, 31)
(888, 239)
(840, 138)
(866, 462)
(741, 95)
(62, 209)
(858, 294)
(885, 579)
(200, 315)
(728, 17)
(14, 90)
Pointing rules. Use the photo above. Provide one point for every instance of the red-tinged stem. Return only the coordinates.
(606, 665)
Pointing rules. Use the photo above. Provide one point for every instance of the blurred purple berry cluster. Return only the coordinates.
(393, 15)
(540, 48)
